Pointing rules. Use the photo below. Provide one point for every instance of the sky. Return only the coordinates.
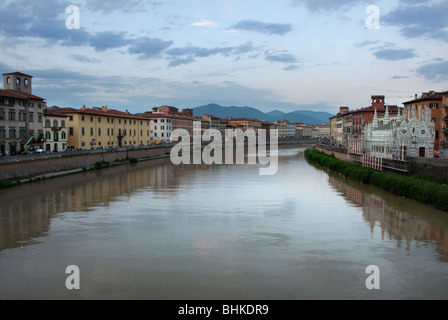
(282, 55)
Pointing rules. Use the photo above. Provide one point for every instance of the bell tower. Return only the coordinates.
(17, 81)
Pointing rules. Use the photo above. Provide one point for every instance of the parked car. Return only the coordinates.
(38, 150)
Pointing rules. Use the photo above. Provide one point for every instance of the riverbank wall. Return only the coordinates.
(53, 164)
(45, 164)
(433, 167)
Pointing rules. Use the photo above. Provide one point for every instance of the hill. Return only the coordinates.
(308, 117)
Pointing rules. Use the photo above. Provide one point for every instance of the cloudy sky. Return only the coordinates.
(273, 55)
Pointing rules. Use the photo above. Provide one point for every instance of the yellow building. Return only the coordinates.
(90, 128)
(247, 123)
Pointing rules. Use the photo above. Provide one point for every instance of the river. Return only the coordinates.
(157, 231)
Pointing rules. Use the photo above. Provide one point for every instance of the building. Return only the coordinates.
(324, 130)
(432, 100)
(353, 123)
(249, 126)
(409, 136)
(443, 149)
(337, 126)
(179, 120)
(21, 114)
(55, 130)
(96, 127)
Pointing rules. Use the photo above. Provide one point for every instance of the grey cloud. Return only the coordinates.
(323, 6)
(366, 43)
(199, 52)
(261, 27)
(437, 71)
(108, 40)
(110, 6)
(395, 54)
(185, 55)
(291, 67)
(82, 58)
(421, 20)
(149, 48)
(281, 57)
(399, 77)
(180, 61)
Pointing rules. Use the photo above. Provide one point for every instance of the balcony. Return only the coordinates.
(56, 129)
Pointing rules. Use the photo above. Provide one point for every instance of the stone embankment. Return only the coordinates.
(23, 167)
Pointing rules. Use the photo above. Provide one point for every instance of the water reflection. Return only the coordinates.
(26, 211)
(159, 231)
(393, 222)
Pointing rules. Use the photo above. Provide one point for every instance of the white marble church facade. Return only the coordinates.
(410, 135)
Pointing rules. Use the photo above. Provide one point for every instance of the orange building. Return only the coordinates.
(434, 101)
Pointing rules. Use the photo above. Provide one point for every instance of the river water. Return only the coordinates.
(157, 231)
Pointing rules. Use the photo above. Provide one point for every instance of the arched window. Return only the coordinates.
(8, 80)
(55, 123)
(25, 82)
(18, 81)
(63, 123)
(47, 123)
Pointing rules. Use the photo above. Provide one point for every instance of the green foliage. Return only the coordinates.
(101, 165)
(425, 189)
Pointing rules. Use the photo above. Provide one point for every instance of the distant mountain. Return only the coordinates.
(308, 117)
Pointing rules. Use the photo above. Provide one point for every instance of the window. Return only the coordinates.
(99, 119)
(39, 117)
(91, 119)
(82, 118)
(70, 131)
(55, 123)
(70, 118)
(91, 132)
(2, 115)
(63, 124)
(47, 135)
(31, 116)
(2, 133)
(99, 131)
(30, 104)
(63, 135)
(83, 131)
(12, 115)
(22, 116)
(12, 133)
(26, 82)
(22, 133)
(47, 123)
